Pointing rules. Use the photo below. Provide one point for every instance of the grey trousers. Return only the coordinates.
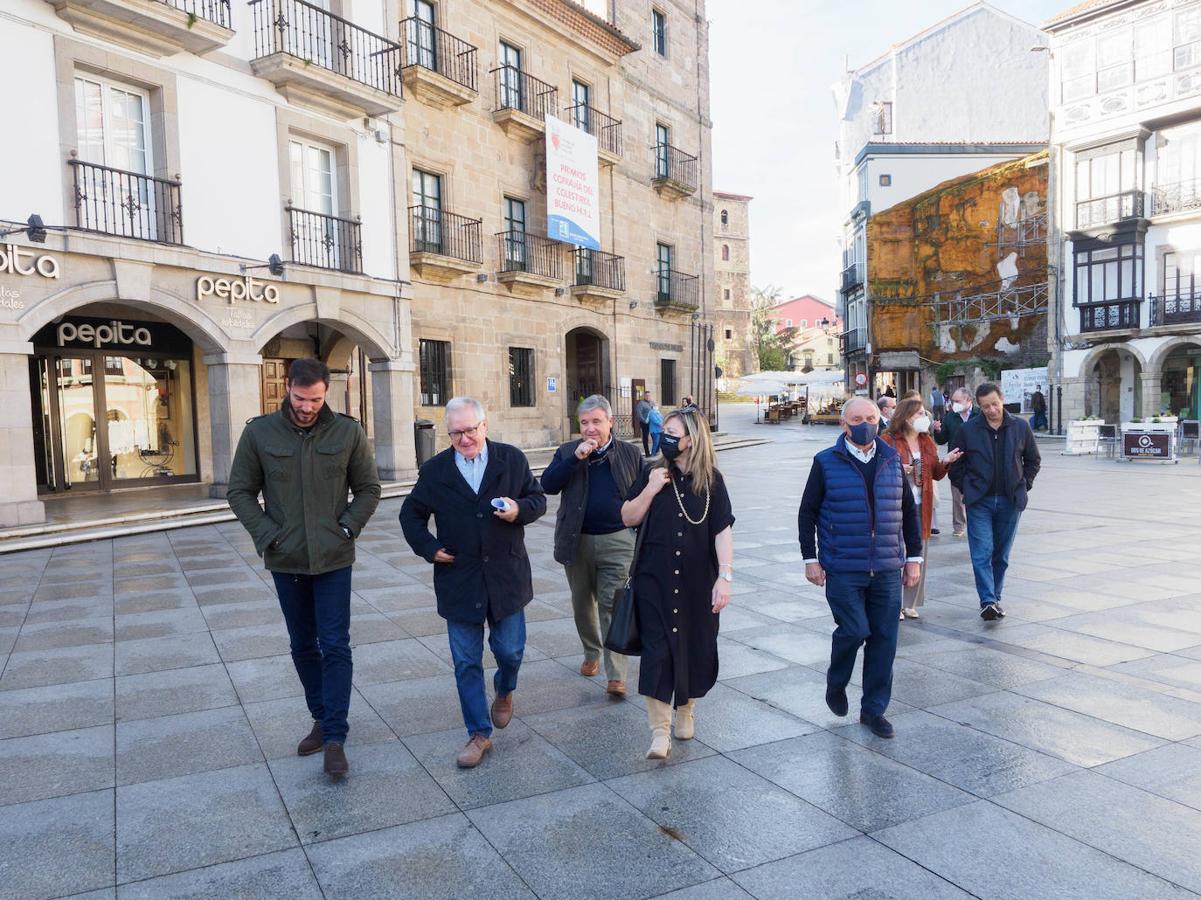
(913, 597)
(958, 512)
(600, 567)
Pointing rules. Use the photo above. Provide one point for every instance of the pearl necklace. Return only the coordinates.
(683, 511)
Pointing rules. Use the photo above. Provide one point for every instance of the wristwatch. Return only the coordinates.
(728, 576)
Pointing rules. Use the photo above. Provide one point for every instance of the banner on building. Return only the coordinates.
(572, 185)
(1018, 385)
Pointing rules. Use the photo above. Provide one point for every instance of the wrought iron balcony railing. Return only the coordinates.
(439, 51)
(1122, 314)
(1176, 308)
(215, 11)
(853, 340)
(524, 93)
(852, 277)
(1183, 196)
(595, 267)
(325, 241)
(604, 128)
(1113, 208)
(320, 38)
(521, 251)
(127, 204)
(673, 164)
(677, 289)
(433, 230)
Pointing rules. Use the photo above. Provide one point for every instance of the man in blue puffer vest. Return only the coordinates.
(859, 504)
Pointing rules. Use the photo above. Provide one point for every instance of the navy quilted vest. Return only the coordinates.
(844, 527)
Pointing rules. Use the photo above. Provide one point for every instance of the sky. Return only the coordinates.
(772, 66)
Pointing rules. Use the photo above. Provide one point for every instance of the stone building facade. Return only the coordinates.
(218, 189)
(732, 286)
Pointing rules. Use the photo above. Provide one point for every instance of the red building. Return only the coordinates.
(803, 313)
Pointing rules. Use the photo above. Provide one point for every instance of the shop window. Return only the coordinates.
(521, 376)
(435, 372)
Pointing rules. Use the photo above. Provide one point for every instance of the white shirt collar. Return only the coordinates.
(864, 456)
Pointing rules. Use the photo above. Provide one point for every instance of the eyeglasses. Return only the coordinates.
(466, 432)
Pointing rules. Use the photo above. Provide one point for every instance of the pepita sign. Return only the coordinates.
(19, 261)
(232, 290)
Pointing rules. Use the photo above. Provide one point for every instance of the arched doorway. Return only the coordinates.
(587, 366)
(1179, 380)
(1113, 384)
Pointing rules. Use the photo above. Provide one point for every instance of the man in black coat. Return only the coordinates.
(481, 569)
(945, 431)
(999, 463)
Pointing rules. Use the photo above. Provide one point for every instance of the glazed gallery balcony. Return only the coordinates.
(1119, 315)
(852, 277)
(522, 103)
(675, 172)
(324, 62)
(127, 204)
(154, 27)
(1107, 210)
(443, 245)
(437, 68)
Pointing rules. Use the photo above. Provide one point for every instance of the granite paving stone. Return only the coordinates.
(285, 873)
(552, 842)
(1123, 704)
(727, 720)
(150, 749)
(717, 889)
(1172, 771)
(60, 707)
(32, 668)
(177, 651)
(265, 678)
(50, 848)
(174, 691)
(280, 724)
(136, 626)
(42, 766)
(52, 635)
(395, 661)
(991, 666)
(417, 705)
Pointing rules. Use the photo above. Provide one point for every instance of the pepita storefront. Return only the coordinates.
(124, 365)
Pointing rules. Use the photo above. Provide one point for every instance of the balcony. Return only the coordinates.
(1101, 211)
(1120, 315)
(1178, 308)
(443, 245)
(599, 277)
(325, 241)
(675, 172)
(322, 61)
(153, 27)
(523, 103)
(852, 277)
(127, 204)
(1181, 197)
(604, 128)
(854, 340)
(677, 291)
(437, 67)
(529, 263)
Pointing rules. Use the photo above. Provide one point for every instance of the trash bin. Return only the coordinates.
(423, 437)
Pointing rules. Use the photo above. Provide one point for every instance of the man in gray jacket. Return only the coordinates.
(642, 413)
(303, 458)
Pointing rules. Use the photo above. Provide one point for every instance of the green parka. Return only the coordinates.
(304, 479)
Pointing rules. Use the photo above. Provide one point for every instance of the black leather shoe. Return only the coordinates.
(837, 701)
(990, 612)
(879, 725)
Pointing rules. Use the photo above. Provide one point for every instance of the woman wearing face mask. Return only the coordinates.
(909, 434)
(682, 574)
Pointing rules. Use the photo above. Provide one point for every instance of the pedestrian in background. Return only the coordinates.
(304, 458)
(937, 403)
(1038, 406)
(683, 574)
(595, 475)
(945, 432)
(909, 435)
(999, 464)
(642, 412)
(481, 568)
(886, 406)
(654, 421)
(861, 539)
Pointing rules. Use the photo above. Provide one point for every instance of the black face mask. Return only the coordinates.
(670, 445)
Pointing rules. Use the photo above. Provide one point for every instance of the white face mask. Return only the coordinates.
(959, 407)
(921, 424)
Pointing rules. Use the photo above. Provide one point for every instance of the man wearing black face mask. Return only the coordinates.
(862, 539)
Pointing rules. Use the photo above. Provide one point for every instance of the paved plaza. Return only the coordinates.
(149, 713)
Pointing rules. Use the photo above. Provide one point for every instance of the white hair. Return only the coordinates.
(846, 407)
(457, 404)
(595, 401)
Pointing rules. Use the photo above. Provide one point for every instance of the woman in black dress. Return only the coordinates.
(682, 575)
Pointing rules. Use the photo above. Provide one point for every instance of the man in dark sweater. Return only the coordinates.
(594, 475)
(945, 431)
(862, 539)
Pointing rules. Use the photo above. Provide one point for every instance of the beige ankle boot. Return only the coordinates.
(659, 715)
(685, 723)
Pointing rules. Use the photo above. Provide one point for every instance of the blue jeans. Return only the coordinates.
(317, 612)
(991, 526)
(507, 640)
(1038, 420)
(866, 609)
(655, 436)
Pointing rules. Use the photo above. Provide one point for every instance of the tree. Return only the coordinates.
(771, 345)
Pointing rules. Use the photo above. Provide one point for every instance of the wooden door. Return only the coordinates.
(637, 389)
(275, 373)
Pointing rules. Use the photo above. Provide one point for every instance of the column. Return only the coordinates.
(392, 419)
(19, 503)
(234, 397)
(335, 398)
(1149, 390)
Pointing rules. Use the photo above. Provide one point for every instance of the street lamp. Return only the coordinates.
(34, 228)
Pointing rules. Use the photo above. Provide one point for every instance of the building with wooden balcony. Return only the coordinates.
(1126, 232)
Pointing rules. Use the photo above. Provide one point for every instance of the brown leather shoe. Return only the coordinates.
(502, 710)
(312, 743)
(588, 668)
(335, 760)
(473, 754)
(617, 688)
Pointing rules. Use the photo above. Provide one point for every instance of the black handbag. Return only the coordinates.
(625, 637)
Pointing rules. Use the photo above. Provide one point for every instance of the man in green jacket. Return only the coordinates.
(303, 459)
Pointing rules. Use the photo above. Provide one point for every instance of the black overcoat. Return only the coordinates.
(490, 577)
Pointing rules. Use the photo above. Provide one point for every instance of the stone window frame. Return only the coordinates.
(444, 169)
(446, 336)
(72, 57)
(293, 123)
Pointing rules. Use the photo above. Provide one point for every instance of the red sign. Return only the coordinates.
(860, 379)
(1142, 445)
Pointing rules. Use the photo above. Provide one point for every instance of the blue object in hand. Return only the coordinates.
(499, 504)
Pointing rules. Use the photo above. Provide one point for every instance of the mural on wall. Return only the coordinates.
(960, 271)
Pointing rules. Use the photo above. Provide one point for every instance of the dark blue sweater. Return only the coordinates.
(602, 514)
